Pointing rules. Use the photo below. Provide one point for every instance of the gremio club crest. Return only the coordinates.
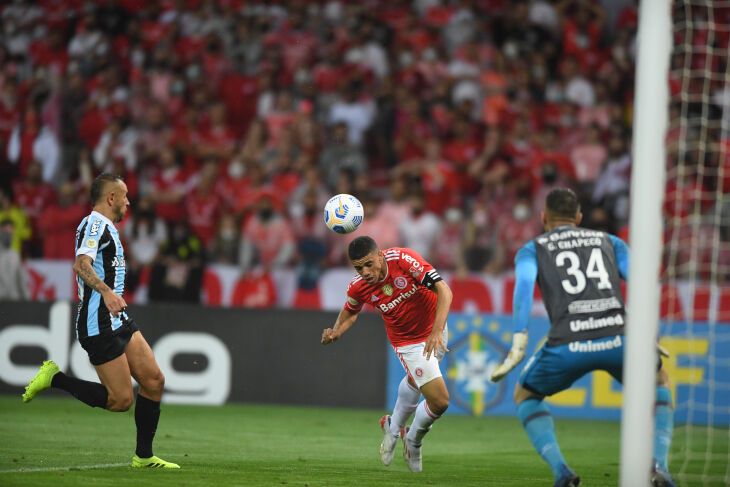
(478, 346)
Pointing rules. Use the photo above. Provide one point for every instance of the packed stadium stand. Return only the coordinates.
(233, 122)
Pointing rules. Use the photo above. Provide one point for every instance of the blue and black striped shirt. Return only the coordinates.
(98, 238)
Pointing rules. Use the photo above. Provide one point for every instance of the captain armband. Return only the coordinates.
(431, 278)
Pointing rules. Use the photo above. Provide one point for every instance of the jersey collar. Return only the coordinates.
(102, 217)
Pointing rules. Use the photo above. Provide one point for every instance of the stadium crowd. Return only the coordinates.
(233, 121)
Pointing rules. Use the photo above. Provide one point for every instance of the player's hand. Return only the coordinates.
(515, 356)
(329, 335)
(114, 302)
(434, 342)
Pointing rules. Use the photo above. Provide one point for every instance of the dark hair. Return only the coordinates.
(360, 247)
(562, 203)
(99, 184)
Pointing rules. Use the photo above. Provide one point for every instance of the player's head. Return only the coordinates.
(561, 208)
(367, 259)
(109, 196)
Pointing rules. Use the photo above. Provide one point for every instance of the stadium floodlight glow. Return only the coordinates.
(647, 190)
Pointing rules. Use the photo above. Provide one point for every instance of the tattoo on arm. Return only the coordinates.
(87, 274)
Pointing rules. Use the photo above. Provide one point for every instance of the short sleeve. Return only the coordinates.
(423, 272)
(91, 240)
(353, 302)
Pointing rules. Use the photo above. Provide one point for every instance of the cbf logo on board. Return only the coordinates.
(477, 347)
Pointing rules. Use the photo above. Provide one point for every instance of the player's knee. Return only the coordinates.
(439, 405)
(120, 402)
(156, 383)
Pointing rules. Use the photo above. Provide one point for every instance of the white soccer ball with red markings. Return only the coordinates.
(343, 213)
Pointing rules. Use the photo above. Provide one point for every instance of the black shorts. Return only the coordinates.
(107, 347)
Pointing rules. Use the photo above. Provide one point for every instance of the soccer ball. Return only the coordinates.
(343, 213)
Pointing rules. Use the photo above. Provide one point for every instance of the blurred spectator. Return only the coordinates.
(177, 274)
(588, 158)
(548, 152)
(340, 155)
(482, 248)
(267, 239)
(203, 204)
(119, 140)
(358, 113)
(32, 140)
(420, 228)
(57, 223)
(170, 183)
(448, 247)
(577, 89)
(144, 233)
(517, 227)
(612, 186)
(224, 248)
(218, 141)
(367, 52)
(12, 275)
(9, 115)
(312, 239)
(34, 196)
(22, 230)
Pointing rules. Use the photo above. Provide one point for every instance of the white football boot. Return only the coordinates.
(411, 452)
(387, 447)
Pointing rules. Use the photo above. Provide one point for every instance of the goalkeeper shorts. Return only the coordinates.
(554, 369)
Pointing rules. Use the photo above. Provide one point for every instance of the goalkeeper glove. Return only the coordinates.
(515, 356)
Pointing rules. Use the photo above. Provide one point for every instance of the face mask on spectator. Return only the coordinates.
(265, 214)
(521, 212)
(236, 169)
(6, 238)
(228, 234)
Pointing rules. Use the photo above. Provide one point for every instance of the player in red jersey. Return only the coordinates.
(414, 302)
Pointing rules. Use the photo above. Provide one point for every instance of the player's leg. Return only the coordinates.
(49, 375)
(115, 377)
(663, 419)
(405, 405)
(106, 354)
(434, 404)
(545, 374)
(146, 372)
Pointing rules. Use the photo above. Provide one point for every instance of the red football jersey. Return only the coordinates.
(407, 305)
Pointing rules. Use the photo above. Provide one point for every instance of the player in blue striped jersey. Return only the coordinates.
(115, 346)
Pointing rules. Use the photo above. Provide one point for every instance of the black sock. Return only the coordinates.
(146, 416)
(92, 393)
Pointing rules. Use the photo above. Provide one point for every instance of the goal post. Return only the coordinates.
(645, 240)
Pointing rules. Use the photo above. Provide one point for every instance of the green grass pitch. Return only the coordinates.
(62, 442)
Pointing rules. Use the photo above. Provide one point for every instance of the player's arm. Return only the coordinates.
(435, 340)
(83, 267)
(343, 323)
(525, 278)
(621, 250)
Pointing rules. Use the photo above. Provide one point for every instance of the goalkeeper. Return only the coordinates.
(578, 271)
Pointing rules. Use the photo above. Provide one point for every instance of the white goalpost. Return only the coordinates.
(645, 240)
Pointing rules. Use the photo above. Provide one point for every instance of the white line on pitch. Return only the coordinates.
(79, 467)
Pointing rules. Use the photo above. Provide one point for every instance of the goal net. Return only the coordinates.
(695, 309)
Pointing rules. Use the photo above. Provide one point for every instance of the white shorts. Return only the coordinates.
(420, 370)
